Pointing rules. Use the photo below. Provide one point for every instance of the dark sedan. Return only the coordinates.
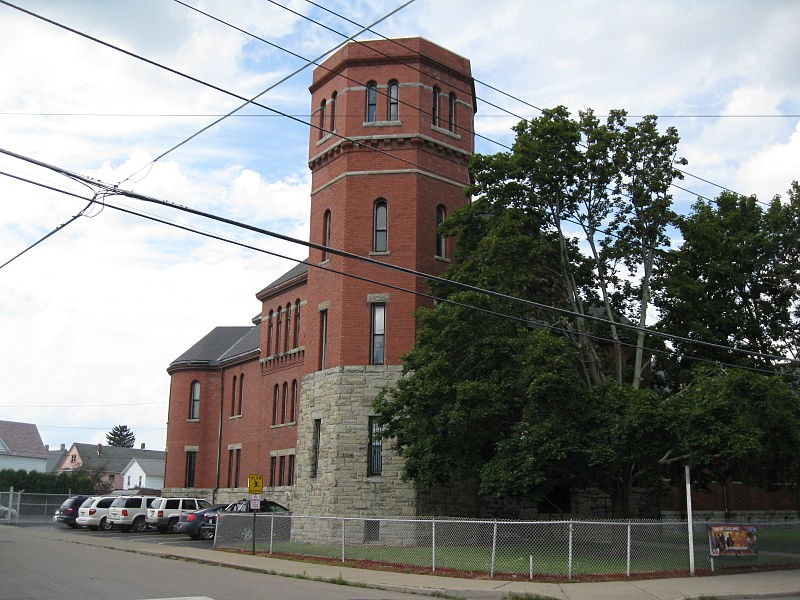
(190, 523)
(67, 513)
(209, 525)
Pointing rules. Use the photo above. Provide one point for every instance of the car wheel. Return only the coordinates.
(139, 525)
(207, 534)
(247, 534)
(173, 526)
(105, 525)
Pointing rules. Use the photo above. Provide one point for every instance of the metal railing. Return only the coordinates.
(501, 549)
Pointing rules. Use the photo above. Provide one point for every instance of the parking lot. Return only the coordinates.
(149, 536)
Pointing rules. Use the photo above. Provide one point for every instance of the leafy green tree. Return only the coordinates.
(121, 436)
(735, 281)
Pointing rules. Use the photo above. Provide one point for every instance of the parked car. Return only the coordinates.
(67, 513)
(209, 526)
(7, 513)
(164, 513)
(93, 513)
(190, 523)
(129, 512)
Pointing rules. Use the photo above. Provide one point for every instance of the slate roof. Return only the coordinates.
(295, 271)
(21, 439)
(112, 458)
(249, 342)
(218, 343)
(54, 458)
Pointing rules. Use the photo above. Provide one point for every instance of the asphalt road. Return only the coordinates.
(36, 565)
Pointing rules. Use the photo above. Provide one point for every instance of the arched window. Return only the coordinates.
(451, 112)
(435, 106)
(278, 323)
(269, 334)
(288, 327)
(275, 400)
(284, 402)
(394, 102)
(233, 396)
(372, 102)
(381, 231)
(322, 119)
(194, 400)
(293, 405)
(332, 111)
(326, 233)
(441, 248)
(297, 323)
(241, 394)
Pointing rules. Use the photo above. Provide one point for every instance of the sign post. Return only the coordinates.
(255, 485)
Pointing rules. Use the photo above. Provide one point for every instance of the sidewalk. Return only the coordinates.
(749, 585)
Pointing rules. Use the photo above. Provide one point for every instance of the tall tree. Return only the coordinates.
(735, 281)
(121, 436)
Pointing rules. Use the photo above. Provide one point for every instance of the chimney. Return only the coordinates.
(142, 445)
(99, 449)
(47, 447)
(63, 447)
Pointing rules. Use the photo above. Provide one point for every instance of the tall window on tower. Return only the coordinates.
(323, 339)
(380, 237)
(191, 465)
(451, 112)
(378, 341)
(374, 449)
(332, 111)
(394, 101)
(326, 234)
(435, 106)
(372, 102)
(441, 248)
(322, 119)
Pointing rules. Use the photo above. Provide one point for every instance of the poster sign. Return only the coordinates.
(733, 540)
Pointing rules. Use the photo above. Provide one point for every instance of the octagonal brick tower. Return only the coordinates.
(389, 149)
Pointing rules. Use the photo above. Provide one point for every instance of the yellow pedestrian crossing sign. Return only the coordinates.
(255, 483)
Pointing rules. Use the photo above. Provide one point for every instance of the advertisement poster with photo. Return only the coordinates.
(733, 540)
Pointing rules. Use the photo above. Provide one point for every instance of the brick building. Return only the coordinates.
(290, 397)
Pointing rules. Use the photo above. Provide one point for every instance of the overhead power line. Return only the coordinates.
(108, 189)
(327, 268)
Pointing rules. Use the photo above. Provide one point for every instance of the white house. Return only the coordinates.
(21, 447)
(142, 473)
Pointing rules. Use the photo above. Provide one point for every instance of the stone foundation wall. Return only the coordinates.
(341, 400)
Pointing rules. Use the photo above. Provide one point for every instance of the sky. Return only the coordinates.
(91, 317)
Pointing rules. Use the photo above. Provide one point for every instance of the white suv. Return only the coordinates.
(129, 512)
(93, 513)
(164, 513)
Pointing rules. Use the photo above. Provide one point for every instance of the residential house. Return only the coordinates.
(21, 447)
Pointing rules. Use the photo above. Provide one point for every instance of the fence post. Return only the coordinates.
(271, 529)
(689, 523)
(569, 557)
(342, 540)
(494, 549)
(628, 557)
(433, 545)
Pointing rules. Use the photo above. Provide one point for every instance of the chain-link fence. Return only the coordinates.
(502, 549)
(22, 508)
